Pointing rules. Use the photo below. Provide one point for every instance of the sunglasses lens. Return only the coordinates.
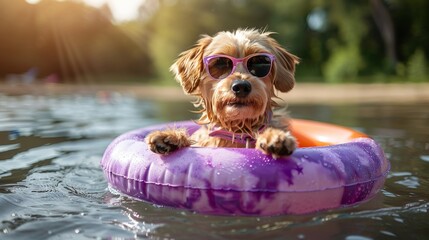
(259, 66)
(220, 67)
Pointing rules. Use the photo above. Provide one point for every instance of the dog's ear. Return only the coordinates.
(189, 67)
(284, 67)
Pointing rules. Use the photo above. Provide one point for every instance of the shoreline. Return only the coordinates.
(303, 93)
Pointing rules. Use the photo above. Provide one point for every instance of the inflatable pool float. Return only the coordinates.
(333, 167)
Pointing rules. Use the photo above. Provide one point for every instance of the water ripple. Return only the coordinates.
(52, 187)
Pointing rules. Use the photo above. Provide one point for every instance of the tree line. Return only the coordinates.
(337, 41)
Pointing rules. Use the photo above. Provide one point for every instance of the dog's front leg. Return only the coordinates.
(167, 141)
(276, 142)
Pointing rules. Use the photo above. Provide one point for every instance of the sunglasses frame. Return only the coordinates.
(236, 61)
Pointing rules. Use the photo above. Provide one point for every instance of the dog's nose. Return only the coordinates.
(241, 88)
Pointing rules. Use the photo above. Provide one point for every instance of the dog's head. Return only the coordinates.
(235, 75)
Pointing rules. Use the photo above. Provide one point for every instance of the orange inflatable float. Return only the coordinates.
(313, 134)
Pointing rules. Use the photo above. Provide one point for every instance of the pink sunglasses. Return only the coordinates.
(221, 66)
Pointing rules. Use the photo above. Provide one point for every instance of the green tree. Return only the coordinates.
(345, 60)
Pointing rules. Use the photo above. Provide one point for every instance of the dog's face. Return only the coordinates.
(235, 74)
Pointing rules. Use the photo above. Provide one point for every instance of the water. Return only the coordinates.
(51, 186)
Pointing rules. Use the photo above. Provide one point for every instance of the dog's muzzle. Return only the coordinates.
(241, 88)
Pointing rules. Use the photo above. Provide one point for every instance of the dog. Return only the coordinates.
(235, 77)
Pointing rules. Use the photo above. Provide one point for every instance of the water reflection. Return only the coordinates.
(52, 187)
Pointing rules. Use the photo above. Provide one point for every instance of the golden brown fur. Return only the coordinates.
(218, 103)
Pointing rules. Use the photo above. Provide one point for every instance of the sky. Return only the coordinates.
(122, 10)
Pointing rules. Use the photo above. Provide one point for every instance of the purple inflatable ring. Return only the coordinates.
(236, 181)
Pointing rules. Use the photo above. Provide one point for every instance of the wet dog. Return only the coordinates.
(235, 76)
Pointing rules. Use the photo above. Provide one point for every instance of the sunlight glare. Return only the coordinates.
(32, 1)
(121, 10)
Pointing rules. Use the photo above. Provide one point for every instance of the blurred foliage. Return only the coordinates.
(337, 41)
(69, 39)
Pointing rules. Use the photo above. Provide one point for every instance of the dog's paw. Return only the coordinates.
(167, 141)
(276, 142)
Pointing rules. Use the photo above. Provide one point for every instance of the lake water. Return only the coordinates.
(51, 185)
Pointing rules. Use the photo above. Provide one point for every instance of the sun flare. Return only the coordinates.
(32, 1)
(121, 10)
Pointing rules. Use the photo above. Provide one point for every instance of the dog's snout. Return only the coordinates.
(241, 88)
